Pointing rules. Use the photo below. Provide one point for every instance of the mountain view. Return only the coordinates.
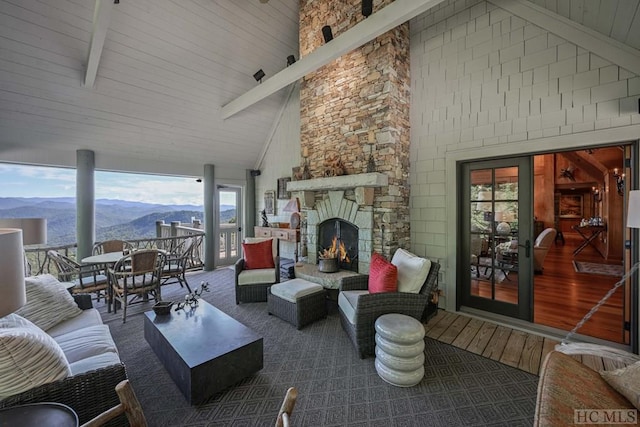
(115, 219)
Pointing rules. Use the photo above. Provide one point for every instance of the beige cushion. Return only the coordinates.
(28, 356)
(90, 317)
(48, 302)
(348, 303)
(293, 289)
(94, 362)
(259, 275)
(86, 342)
(626, 381)
(412, 270)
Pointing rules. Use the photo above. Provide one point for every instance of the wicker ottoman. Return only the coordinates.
(297, 301)
(399, 349)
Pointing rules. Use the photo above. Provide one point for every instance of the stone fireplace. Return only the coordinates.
(343, 235)
(356, 110)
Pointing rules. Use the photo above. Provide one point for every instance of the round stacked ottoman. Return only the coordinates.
(399, 349)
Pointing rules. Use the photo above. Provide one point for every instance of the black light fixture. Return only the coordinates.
(259, 75)
(116, 1)
(291, 60)
(367, 7)
(619, 181)
(326, 33)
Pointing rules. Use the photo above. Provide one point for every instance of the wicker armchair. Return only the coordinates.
(111, 246)
(252, 285)
(87, 278)
(368, 307)
(176, 263)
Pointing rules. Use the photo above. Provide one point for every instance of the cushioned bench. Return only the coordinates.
(297, 301)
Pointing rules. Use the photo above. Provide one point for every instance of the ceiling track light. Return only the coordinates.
(259, 75)
(327, 34)
(367, 7)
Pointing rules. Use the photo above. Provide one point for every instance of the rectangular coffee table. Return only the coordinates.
(203, 349)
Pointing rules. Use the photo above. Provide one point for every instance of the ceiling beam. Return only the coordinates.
(368, 29)
(101, 19)
(610, 49)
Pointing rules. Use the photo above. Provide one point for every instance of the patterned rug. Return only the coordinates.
(596, 268)
(335, 387)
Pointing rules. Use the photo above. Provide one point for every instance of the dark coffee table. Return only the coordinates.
(203, 349)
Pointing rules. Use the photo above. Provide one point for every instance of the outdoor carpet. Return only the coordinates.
(336, 387)
(596, 268)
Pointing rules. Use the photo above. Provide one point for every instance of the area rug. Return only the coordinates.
(336, 387)
(596, 268)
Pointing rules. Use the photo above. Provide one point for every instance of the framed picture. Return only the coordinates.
(570, 206)
(269, 202)
(282, 188)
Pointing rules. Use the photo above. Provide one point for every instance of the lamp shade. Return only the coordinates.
(12, 289)
(34, 230)
(633, 214)
(293, 205)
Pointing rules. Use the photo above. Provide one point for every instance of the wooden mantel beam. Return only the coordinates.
(379, 23)
(101, 19)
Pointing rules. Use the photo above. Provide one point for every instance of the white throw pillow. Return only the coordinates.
(48, 302)
(412, 270)
(28, 357)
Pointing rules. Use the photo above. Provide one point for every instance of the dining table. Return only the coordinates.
(108, 260)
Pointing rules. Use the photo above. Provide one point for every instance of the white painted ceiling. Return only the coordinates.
(166, 70)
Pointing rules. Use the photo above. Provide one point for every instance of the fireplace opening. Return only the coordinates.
(339, 232)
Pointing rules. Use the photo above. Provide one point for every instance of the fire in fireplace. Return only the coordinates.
(339, 237)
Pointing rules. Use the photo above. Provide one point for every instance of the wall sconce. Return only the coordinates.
(259, 75)
(619, 181)
(327, 34)
(291, 60)
(597, 195)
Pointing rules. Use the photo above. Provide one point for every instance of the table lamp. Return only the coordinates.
(633, 214)
(34, 230)
(12, 288)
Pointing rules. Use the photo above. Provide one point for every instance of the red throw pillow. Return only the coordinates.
(383, 276)
(258, 255)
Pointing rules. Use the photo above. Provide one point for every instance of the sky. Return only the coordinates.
(39, 181)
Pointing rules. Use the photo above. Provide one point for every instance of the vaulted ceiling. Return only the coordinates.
(166, 69)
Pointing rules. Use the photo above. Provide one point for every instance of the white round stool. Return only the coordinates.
(399, 349)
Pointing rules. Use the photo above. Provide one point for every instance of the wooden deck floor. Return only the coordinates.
(509, 346)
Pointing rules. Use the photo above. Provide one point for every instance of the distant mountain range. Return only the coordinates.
(114, 218)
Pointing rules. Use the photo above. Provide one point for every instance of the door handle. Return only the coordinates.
(527, 248)
(239, 228)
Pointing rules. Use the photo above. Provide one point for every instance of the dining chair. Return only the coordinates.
(284, 415)
(176, 263)
(111, 246)
(86, 278)
(136, 277)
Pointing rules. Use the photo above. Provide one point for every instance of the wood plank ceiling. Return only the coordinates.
(166, 69)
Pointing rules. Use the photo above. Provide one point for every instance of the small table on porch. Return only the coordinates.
(108, 260)
(595, 231)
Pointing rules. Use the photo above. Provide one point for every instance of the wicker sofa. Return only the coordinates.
(90, 389)
(360, 309)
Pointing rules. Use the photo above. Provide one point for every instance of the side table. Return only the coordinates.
(39, 414)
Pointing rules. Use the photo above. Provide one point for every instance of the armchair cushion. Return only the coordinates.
(48, 302)
(348, 303)
(383, 276)
(412, 270)
(261, 275)
(28, 356)
(258, 255)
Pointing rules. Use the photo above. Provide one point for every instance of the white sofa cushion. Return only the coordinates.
(348, 303)
(94, 362)
(86, 342)
(293, 289)
(259, 275)
(412, 270)
(28, 356)
(48, 302)
(90, 317)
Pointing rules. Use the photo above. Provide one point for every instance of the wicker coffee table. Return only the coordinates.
(203, 349)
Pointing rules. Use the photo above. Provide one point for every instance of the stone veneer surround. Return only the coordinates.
(335, 205)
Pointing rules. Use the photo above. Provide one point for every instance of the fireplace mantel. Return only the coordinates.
(344, 182)
(363, 184)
